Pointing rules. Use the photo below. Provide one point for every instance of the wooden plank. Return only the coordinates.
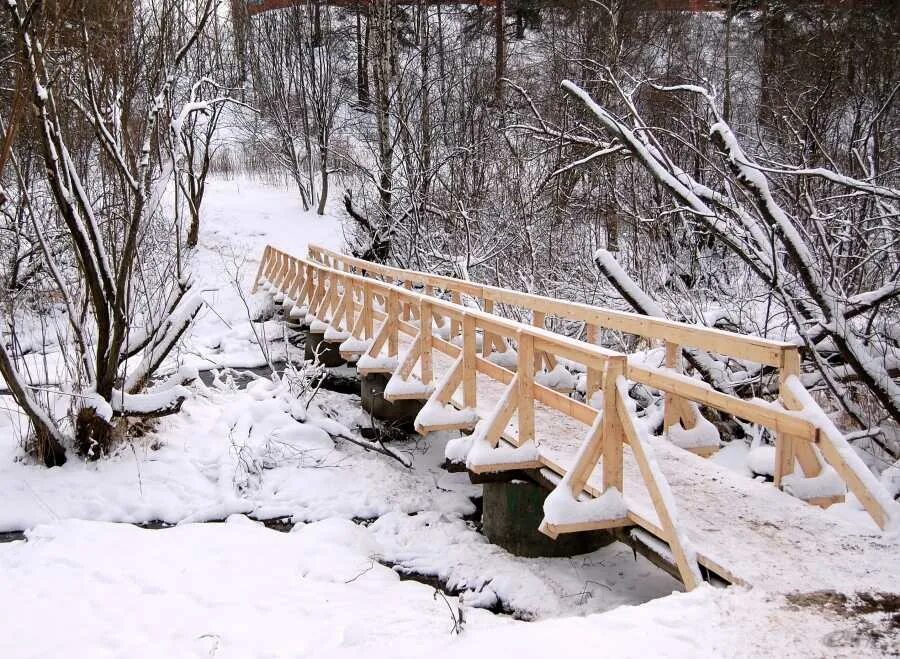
(593, 382)
(554, 530)
(853, 481)
(612, 433)
(654, 487)
(405, 367)
(426, 337)
(674, 407)
(393, 314)
(443, 394)
(588, 457)
(259, 271)
(368, 320)
(571, 349)
(470, 357)
(502, 413)
(538, 319)
(456, 298)
(764, 351)
(700, 392)
(525, 395)
(495, 468)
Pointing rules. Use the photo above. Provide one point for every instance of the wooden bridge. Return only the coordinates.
(441, 342)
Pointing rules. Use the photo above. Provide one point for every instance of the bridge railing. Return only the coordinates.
(368, 316)
(680, 411)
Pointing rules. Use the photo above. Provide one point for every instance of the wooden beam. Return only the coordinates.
(259, 271)
(470, 357)
(612, 432)
(554, 530)
(761, 413)
(687, 571)
(525, 394)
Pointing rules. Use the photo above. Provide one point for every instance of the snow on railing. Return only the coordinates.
(367, 316)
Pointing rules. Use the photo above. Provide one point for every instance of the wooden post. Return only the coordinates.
(787, 448)
(297, 283)
(677, 409)
(407, 308)
(525, 395)
(368, 317)
(393, 316)
(487, 339)
(538, 318)
(456, 298)
(350, 309)
(427, 340)
(259, 271)
(673, 360)
(613, 432)
(470, 358)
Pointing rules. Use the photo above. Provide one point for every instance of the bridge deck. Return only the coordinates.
(702, 514)
(746, 531)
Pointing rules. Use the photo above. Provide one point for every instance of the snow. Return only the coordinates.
(703, 435)
(241, 590)
(232, 451)
(890, 479)
(101, 407)
(560, 379)
(761, 460)
(386, 364)
(826, 484)
(817, 416)
(336, 336)
(665, 492)
(508, 359)
(81, 586)
(457, 449)
(434, 413)
(240, 217)
(351, 344)
(399, 387)
(611, 266)
(482, 453)
(560, 507)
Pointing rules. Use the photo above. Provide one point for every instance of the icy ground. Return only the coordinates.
(81, 586)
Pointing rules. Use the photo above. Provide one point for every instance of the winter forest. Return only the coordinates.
(250, 249)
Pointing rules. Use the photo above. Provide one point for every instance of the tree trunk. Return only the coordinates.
(499, 51)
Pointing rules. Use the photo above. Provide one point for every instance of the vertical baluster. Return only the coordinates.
(525, 395)
(469, 362)
(427, 340)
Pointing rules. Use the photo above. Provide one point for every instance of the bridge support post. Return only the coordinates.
(513, 511)
(787, 449)
(327, 352)
(401, 413)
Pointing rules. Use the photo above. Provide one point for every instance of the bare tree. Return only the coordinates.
(106, 169)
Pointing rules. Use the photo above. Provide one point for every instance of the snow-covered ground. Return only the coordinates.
(81, 586)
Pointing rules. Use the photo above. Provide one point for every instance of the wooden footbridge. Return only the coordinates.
(441, 342)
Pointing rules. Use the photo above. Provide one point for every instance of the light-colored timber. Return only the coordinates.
(709, 519)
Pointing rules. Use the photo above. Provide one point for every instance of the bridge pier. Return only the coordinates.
(329, 352)
(400, 413)
(513, 510)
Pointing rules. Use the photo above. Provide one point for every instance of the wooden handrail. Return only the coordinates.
(320, 286)
(731, 344)
(765, 414)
